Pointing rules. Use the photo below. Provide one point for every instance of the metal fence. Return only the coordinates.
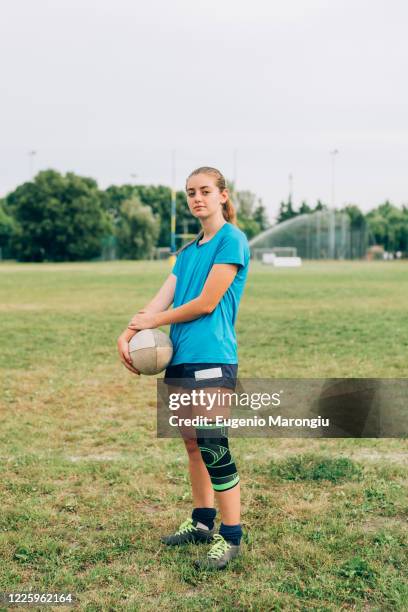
(320, 235)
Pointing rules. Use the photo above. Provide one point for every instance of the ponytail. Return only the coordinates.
(228, 212)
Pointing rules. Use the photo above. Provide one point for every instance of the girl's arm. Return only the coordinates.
(164, 297)
(217, 283)
(161, 301)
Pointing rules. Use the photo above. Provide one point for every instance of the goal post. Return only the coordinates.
(258, 253)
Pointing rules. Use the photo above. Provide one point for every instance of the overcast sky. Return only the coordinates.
(107, 88)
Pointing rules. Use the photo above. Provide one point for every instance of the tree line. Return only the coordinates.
(58, 217)
(67, 217)
(387, 225)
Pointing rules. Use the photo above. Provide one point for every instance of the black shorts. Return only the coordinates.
(200, 375)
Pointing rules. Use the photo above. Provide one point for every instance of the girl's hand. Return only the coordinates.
(123, 348)
(143, 320)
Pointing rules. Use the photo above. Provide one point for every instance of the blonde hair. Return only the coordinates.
(228, 208)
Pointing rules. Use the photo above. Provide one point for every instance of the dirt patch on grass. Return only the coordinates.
(302, 504)
(377, 523)
(147, 508)
(373, 455)
(285, 448)
(95, 457)
(17, 307)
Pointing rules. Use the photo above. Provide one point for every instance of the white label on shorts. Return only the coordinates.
(210, 373)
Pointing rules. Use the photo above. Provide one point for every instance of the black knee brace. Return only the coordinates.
(213, 444)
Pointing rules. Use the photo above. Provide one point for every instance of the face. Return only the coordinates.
(203, 196)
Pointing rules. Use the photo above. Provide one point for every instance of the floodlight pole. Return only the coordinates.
(235, 168)
(291, 187)
(31, 155)
(332, 221)
(173, 209)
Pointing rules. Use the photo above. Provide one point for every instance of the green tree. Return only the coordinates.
(286, 211)
(261, 216)
(7, 229)
(319, 206)
(159, 199)
(246, 201)
(58, 218)
(304, 209)
(113, 197)
(137, 230)
(388, 226)
(377, 226)
(357, 218)
(251, 213)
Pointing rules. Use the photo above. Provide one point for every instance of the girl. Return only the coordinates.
(205, 285)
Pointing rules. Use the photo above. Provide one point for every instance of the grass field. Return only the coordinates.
(87, 488)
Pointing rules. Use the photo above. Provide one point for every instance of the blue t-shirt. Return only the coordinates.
(210, 338)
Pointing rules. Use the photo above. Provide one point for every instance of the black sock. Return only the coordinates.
(232, 533)
(205, 516)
